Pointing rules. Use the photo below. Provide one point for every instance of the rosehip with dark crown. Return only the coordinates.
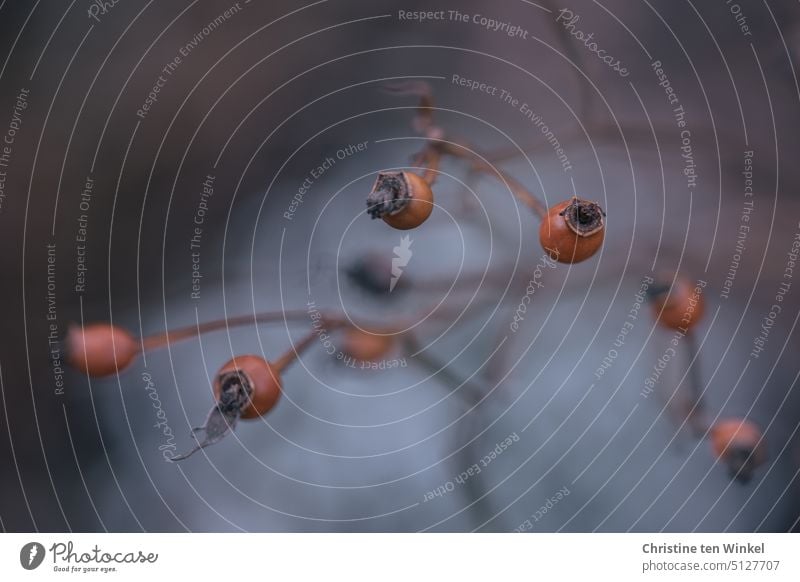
(259, 379)
(740, 444)
(403, 200)
(573, 230)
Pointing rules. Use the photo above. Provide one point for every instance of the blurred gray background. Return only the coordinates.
(263, 99)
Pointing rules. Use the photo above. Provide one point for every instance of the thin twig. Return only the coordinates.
(429, 158)
(423, 121)
(431, 154)
(329, 320)
(467, 456)
(290, 355)
(696, 406)
(479, 164)
(159, 340)
(572, 51)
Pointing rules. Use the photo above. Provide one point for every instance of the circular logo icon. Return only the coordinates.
(31, 555)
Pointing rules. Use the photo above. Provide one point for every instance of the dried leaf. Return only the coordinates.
(224, 415)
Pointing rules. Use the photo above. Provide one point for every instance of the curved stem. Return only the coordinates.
(160, 340)
(331, 321)
(432, 153)
(431, 161)
(290, 355)
(423, 119)
(479, 164)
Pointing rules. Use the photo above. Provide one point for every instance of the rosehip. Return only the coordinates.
(259, 379)
(740, 445)
(679, 307)
(402, 199)
(573, 230)
(246, 387)
(365, 346)
(100, 349)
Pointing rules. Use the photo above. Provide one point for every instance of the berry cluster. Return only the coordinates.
(248, 386)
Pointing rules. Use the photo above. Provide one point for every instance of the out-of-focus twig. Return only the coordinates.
(695, 414)
(572, 53)
(477, 498)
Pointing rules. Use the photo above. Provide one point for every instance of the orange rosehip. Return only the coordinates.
(365, 346)
(402, 199)
(259, 379)
(739, 443)
(246, 387)
(100, 349)
(573, 230)
(678, 307)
